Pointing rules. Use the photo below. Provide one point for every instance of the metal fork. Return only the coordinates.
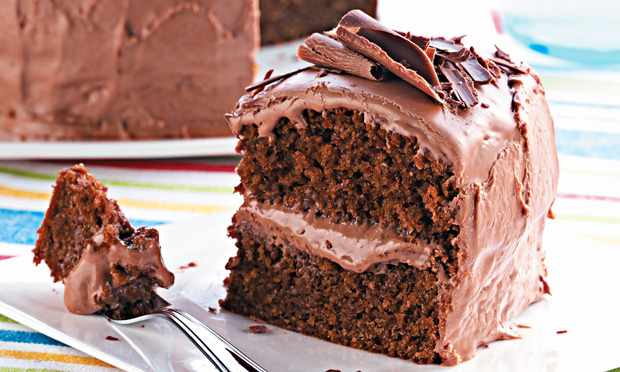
(224, 356)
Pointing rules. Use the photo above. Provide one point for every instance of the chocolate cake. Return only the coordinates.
(123, 70)
(106, 265)
(395, 194)
(285, 20)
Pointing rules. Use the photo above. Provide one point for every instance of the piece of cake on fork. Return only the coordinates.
(107, 266)
(395, 194)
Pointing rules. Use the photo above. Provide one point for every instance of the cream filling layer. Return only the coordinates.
(357, 248)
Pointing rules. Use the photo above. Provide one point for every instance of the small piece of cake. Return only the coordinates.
(123, 70)
(395, 194)
(107, 266)
(285, 20)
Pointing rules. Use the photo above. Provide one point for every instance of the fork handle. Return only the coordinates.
(224, 356)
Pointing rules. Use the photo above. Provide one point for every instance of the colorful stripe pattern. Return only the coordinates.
(155, 192)
(22, 349)
(149, 192)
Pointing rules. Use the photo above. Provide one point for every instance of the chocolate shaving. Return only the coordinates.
(420, 41)
(463, 58)
(268, 74)
(460, 56)
(362, 33)
(458, 39)
(324, 51)
(495, 71)
(446, 45)
(430, 52)
(264, 83)
(501, 54)
(462, 85)
(476, 71)
(509, 65)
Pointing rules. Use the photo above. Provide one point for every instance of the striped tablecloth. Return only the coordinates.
(586, 107)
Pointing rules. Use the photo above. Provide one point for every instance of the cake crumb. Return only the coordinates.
(212, 309)
(189, 265)
(256, 319)
(111, 338)
(257, 329)
(523, 326)
(333, 370)
(486, 346)
(561, 332)
(142, 326)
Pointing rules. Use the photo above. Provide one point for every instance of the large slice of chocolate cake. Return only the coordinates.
(395, 194)
(107, 266)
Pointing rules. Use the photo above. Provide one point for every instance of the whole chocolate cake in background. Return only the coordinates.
(285, 20)
(395, 194)
(123, 70)
(106, 265)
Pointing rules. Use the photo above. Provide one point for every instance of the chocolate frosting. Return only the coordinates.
(505, 165)
(91, 276)
(123, 69)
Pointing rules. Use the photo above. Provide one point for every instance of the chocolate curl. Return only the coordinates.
(262, 84)
(324, 51)
(395, 53)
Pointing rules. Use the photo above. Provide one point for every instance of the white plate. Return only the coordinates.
(119, 149)
(584, 303)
